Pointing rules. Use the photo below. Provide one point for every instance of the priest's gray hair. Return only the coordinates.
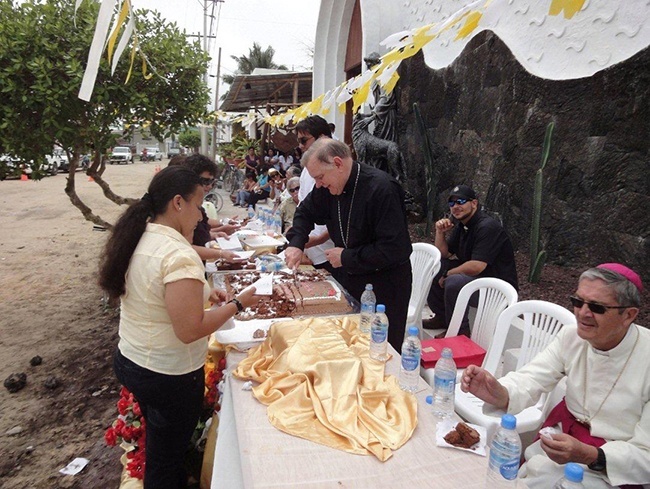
(626, 292)
(325, 150)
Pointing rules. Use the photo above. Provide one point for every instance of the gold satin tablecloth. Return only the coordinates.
(318, 383)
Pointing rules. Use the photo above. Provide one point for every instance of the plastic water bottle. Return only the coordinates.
(505, 452)
(409, 372)
(379, 334)
(573, 474)
(444, 384)
(368, 303)
(251, 212)
(271, 266)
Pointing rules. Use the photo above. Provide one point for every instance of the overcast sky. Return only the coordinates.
(289, 26)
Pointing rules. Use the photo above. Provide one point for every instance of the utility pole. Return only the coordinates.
(204, 129)
(216, 107)
(204, 124)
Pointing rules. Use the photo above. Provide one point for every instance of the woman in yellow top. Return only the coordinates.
(150, 265)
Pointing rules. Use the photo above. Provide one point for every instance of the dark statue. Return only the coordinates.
(375, 151)
(385, 108)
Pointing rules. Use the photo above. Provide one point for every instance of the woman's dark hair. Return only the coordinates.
(171, 181)
(314, 125)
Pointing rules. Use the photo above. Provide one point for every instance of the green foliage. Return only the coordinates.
(257, 58)
(190, 138)
(537, 256)
(430, 171)
(43, 54)
(238, 147)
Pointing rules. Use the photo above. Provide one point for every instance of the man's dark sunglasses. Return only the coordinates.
(457, 201)
(304, 140)
(207, 181)
(294, 189)
(595, 308)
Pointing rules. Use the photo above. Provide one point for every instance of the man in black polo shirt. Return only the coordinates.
(481, 247)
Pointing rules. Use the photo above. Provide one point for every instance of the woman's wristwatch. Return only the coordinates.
(239, 305)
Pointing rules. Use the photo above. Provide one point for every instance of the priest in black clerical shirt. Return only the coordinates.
(363, 209)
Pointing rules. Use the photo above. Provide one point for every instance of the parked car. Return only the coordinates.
(64, 163)
(151, 153)
(173, 152)
(11, 166)
(121, 154)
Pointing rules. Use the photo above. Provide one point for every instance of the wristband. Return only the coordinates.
(600, 463)
(240, 308)
(445, 273)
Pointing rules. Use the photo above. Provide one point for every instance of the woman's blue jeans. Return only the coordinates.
(171, 406)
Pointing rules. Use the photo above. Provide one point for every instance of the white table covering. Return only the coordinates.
(251, 453)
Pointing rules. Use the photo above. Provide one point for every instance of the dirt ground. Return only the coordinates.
(50, 306)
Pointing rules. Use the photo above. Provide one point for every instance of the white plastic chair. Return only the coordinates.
(542, 321)
(495, 295)
(425, 263)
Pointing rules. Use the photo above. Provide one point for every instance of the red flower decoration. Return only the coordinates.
(130, 425)
(110, 437)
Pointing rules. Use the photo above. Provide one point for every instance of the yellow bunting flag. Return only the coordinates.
(470, 24)
(570, 7)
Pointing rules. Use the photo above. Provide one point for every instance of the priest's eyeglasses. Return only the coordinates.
(595, 308)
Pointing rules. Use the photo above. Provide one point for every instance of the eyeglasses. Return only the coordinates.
(457, 201)
(304, 140)
(207, 181)
(295, 189)
(595, 308)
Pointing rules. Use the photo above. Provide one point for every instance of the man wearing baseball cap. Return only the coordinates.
(603, 422)
(482, 248)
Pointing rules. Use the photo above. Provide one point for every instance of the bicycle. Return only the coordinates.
(215, 198)
(232, 178)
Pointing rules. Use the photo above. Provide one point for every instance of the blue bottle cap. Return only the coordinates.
(508, 421)
(447, 353)
(368, 286)
(381, 308)
(429, 399)
(414, 331)
(573, 472)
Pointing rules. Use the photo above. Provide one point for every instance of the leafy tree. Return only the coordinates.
(43, 53)
(257, 58)
(190, 138)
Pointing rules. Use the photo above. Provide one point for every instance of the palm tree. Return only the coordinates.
(257, 58)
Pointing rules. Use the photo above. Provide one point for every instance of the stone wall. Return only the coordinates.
(487, 116)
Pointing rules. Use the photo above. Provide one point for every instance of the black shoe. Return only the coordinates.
(436, 322)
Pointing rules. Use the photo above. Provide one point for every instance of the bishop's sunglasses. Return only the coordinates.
(457, 201)
(595, 308)
(207, 181)
(294, 189)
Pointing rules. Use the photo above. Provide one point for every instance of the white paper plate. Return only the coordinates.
(240, 333)
(229, 244)
(448, 425)
(260, 241)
